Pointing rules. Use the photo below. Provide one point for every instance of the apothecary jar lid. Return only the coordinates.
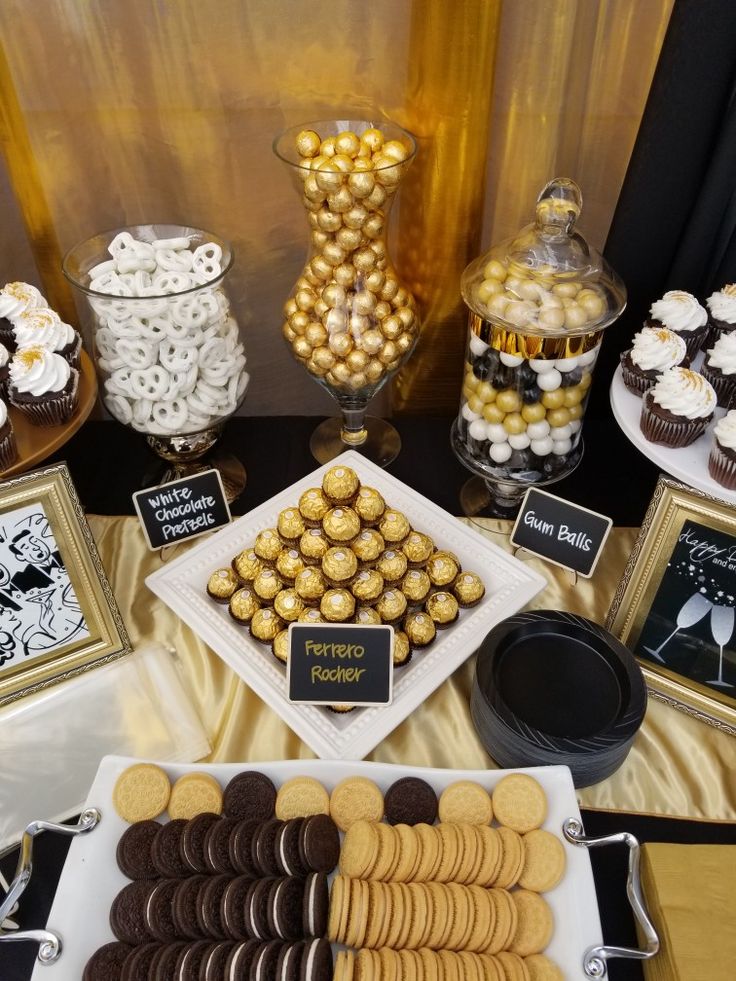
(548, 281)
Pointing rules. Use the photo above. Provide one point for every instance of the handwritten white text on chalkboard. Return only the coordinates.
(178, 503)
(576, 538)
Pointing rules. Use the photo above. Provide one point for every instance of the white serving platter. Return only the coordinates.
(510, 585)
(91, 879)
(688, 464)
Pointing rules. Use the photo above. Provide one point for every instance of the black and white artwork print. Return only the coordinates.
(690, 626)
(39, 610)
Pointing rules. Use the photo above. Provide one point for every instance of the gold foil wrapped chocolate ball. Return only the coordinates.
(337, 605)
(341, 524)
(369, 505)
(311, 615)
(368, 545)
(288, 604)
(340, 484)
(313, 545)
(443, 608)
(268, 545)
(222, 584)
(420, 629)
(247, 564)
(392, 565)
(366, 616)
(280, 646)
(394, 526)
(367, 586)
(339, 565)
(418, 548)
(442, 568)
(243, 605)
(289, 564)
(416, 585)
(290, 525)
(313, 505)
(468, 589)
(266, 624)
(401, 649)
(267, 584)
(310, 584)
(391, 605)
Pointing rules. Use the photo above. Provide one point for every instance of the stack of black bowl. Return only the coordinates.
(555, 688)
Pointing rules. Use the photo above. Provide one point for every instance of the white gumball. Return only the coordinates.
(477, 346)
(567, 364)
(478, 429)
(542, 447)
(500, 452)
(575, 425)
(549, 380)
(561, 446)
(496, 432)
(540, 364)
(561, 432)
(467, 413)
(589, 357)
(511, 360)
(519, 441)
(538, 430)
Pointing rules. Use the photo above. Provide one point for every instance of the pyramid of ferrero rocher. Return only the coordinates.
(342, 554)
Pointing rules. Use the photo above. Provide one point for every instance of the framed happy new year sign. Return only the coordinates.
(675, 606)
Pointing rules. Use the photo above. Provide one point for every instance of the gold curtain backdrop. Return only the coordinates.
(120, 113)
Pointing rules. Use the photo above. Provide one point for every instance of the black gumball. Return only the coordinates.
(481, 370)
(531, 395)
(492, 358)
(570, 378)
(527, 375)
(503, 377)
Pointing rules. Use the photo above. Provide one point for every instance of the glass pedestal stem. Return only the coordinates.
(353, 432)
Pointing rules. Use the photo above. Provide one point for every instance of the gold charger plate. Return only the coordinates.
(36, 443)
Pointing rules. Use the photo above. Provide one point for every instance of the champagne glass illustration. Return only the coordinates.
(691, 611)
(721, 626)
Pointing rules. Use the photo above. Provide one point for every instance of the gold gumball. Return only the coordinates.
(320, 308)
(396, 150)
(349, 238)
(372, 341)
(327, 147)
(299, 321)
(340, 201)
(320, 239)
(316, 334)
(476, 404)
(310, 276)
(554, 399)
(514, 424)
(407, 316)
(388, 353)
(534, 412)
(341, 344)
(332, 252)
(573, 396)
(341, 372)
(558, 417)
(376, 199)
(491, 413)
(390, 288)
(393, 365)
(495, 270)
(324, 357)
(487, 289)
(379, 248)
(364, 302)
(343, 162)
(585, 381)
(391, 327)
(357, 360)
(328, 221)
(305, 299)
(575, 316)
(388, 171)
(362, 162)
(364, 260)
(290, 307)
(333, 295)
(382, 310)
(328, 177)
(344, 274)
(361, 184)
(404, 342)
(312, 190)
(321, 267)
(374, 371)
(332, 379)
(347, 143)
(509, 400)
(373, 227)
(566, 289)
(287, 332)
(372, 138)
(357, 381)
(336, 320)
(486, 392)
(551, 317)
(576, 412)
(301, 347)
(313, 220)
(307, 143)
(356, 217)
(315, 369)
(358, 324)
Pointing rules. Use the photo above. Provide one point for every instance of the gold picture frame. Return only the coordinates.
(682, 569)
(58, 615)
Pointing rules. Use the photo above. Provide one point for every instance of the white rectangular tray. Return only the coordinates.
(91, 879)
(510, 585)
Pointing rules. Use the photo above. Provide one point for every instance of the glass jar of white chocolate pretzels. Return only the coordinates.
(538, 306)
(349, 320)
(169, 352)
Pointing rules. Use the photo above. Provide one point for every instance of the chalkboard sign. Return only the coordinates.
(561, 532)
(339, 664)
(183, 509)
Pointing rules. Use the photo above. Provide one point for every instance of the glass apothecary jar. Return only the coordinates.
(538, 306)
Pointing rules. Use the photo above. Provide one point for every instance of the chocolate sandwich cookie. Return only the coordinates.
(232, 907)
(163, 965)
(316, 961)
(127, 913)
(134, 851)
(410, 801)
(159, 911)
(263, 847)
(289, 962)
(213, 963)
(190, 959)
(193, 839)
(184, 907)
(217, 846)
(264, 965)
(240, 850)
(138, 962)
(209, 902)
(256, 909)
(240, 959)
(319, 843)
(286, 848)
(106, 964)
(316, 903)
(166, 850)
(285, 909)
(250, 795)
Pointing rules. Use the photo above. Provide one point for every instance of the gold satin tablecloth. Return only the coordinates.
(678, 766)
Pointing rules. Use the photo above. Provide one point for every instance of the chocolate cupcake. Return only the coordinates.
(290, 525)
(369, 505)
(652, 352)
(367, 586)
(341, 525)
(4, 371)
(677, 410)
(680, 312)
(45, 328)
(337, 605)
(313, 506)
(8, 449)
(268, 545)
(222, 583)
(244, 604)
(43, 386)
(339, 565)
(719, 368)
(340, 484)
(311, 584)
(16, 299)
(721, 313)
(313, 545)
(468, 589)
(369, 545)
(247, 564)
(722, 459)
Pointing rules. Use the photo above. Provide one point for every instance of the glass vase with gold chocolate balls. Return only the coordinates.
(539, 304)
(349, 320)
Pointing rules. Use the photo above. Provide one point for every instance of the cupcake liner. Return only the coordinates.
(52, 411)
(693, 340)
(721, 468)
(8, 451)
(670, 432)
(715, 329)
(723, 385)
(74, 354)
(636, 383)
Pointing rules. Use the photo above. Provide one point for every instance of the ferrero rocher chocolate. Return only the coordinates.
(268, 545)
(442, 568)
(288, 604)
(266, 624)
(313, 544)
(247, 564)
(313, 506)
(416, 585)
(443, 608)
(418, 548)
(367, 585)
(341, 524)
(340, 484)
(391, 605)
(392, 565)
(267, 584)
(310, 584)
(339, 565)
(368, 545)
(290, 525)
(420, 629)
(337, 605)
(311, 615)
(280, 646)
(402, 649)
(289, 564)
(222, 584)
(341, 709)
(468, 589)
(367, 616)
(394, 526)
(243, 605)
(369, 505)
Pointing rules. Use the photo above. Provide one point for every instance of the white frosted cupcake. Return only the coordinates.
(722, 459)
(15, 299)
(678, 408)
(8, 451)
(680, 312)
(4, 370)
(654, 350)
(45, 328)
(719, 368)
(721, 312)
(43, 386)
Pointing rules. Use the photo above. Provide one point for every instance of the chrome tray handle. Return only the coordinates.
(595, 958)
(49, 943)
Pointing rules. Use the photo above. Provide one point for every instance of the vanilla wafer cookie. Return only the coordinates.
(519, 802)
(465, 801)
(544, 861)
(141, 792)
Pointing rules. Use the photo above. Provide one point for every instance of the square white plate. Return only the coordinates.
(510, 585)
(91, 879)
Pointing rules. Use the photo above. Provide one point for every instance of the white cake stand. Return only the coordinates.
(688, 464)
